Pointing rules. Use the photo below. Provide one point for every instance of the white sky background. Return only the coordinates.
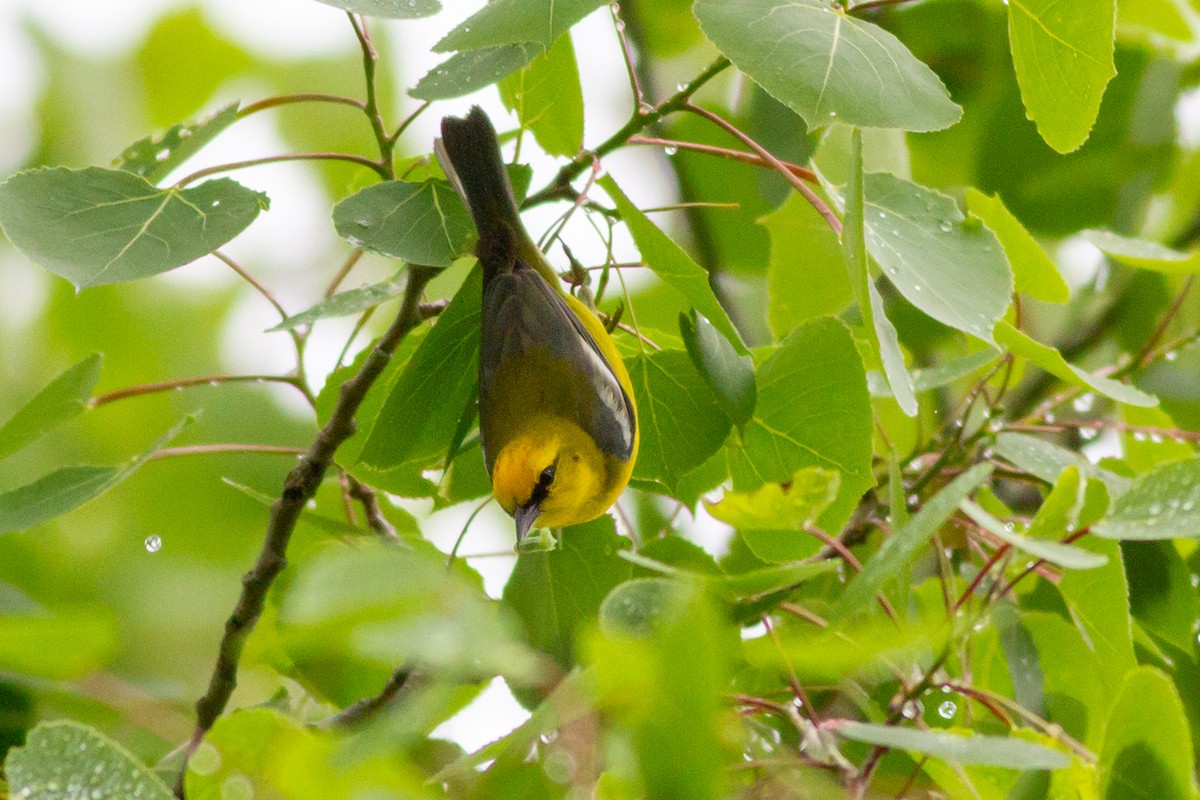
(293, 248)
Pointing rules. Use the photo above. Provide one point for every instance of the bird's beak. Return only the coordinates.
(525, 517)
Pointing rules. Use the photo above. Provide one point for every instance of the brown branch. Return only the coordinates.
(398, 684)
(299, 486)
(201, 380)
(779, 166)
(206, 449)
(754, 159)
(642, 118)
(366, 496)
(351, 158)
(287, 99)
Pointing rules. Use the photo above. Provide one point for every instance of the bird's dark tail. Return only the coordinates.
(474, 153)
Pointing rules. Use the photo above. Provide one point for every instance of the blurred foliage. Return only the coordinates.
(918, 497)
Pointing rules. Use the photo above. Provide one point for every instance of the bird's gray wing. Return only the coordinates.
(522, 314)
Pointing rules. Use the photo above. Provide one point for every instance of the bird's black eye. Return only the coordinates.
(547, 476)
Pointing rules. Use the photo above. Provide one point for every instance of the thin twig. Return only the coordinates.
(182, 383)
(250, 279)
(206, 449)
(799, 185)
(635, 84)
(642, 118)
(299, 486)
(287, 99)
(370, 59)
(366, 496)
(724, 152)
(1144, 355)
(343, 271)
(398, 684)
(351, 158)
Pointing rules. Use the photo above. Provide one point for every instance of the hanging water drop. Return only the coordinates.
(1084, 403)
(153, 543)
(947, 709)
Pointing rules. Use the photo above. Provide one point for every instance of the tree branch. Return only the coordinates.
(299, 486)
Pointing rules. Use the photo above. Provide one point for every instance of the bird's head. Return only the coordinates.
(552, 477)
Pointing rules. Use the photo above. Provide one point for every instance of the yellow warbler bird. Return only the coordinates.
(556, 412)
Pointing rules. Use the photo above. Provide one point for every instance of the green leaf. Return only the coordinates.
(95, 226)
(1064, 59)
(556, 593)
(1049, 359)
(329, 524)
(155, 156)
(346, 303)
(665, 691)
(260, 752)
(68, 488)
(841, 652)
(421, 223)
(548, 99)
(1161, 504)
(788, 506)
(681, 422)
(464, 73)
(1022, 657)
(1060, 512)
(411, 428)
(949, 371)
(638, 607)
(1034, 272)
(387, 605)
(388, 9)
(813, 411)
(1097, 603)
(805, 252)
(772, 519)
(68, 644)
(63, 398)
(1064, 555)
(511, 21)
(828, 66)
(1147, 749)
(1161, 595)
(669, 261)
(951, 268)
(998, 751)
(1141, 254)
(898, 551)
(729, 375)
(68, 757)
(1047, 461)
(870, 303)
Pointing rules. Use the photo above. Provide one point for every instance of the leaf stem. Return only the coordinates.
(725, 152)
(208, 449)
(352, 158)
(343, 271)
(288, 99)
(370, 58)
(183, 383)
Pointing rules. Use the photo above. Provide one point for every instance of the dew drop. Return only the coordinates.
(1088, 434)
(1049, 418)
(945, 227)
(153, 543)
(671, 150)
(1171, 355)
(679, 87)
(1084, 402)
(947, 709)
(1156, 438)
(1138, 436)
(912, 709)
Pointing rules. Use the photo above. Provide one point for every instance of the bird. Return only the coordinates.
(557, 417)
